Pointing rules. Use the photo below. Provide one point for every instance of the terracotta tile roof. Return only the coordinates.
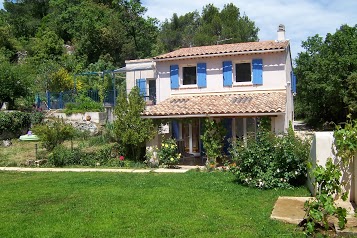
(233, 103)
(225, 49)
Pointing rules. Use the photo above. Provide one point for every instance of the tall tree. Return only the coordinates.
(212, 26)
(326, 74)
(132, 131)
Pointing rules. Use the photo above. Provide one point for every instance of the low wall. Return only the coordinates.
(322, 148)
(96, 117)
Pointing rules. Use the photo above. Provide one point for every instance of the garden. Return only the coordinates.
(193, 204)
(256, 171)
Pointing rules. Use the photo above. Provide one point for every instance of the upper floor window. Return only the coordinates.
(243, 72)
(189, 75)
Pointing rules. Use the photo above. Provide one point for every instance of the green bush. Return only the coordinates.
(13, 124)
(270, 161)
(83, 104)
(60, 156)
(54, 133)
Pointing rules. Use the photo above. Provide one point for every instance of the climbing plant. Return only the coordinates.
(212, 140)
(328, 181)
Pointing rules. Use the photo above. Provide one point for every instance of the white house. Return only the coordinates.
(237, 83)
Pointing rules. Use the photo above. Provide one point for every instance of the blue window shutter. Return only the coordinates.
(293, 82)
(141, 83)
(175, 130)
(174, 73)
(258, 71)
(227, 73)
(201, 75)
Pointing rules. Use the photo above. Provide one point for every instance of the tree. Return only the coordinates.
(211, 27)
(131, 130)
(13, 83)
(325, 73)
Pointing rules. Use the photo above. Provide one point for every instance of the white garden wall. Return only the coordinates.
(323, 148)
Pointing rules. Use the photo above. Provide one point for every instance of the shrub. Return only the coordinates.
(83, 104)
(14, 123)
(54, 133)
(268, 161)
(168, 153)
(60, 156)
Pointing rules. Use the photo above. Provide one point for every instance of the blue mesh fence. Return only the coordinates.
(58, 100)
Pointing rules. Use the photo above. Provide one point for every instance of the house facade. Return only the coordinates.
(237, 84)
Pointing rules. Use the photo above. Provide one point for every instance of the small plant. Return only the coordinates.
(318, 209)
(167, 154)
(54, 133)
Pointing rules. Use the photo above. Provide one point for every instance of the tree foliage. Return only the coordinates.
(210, 27)
(131, 130)
(326, 73)
(55, 39)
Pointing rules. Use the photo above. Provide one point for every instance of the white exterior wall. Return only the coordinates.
(274, 75)
(132, 75)
(322, 148)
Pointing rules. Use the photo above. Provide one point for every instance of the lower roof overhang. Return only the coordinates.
(215, 115)
(242, 104)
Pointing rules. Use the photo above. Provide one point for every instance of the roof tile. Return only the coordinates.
(225, 49)
(233, 103)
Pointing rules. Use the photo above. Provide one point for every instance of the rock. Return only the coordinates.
(4, 106)
(6, 143)
(40, 162)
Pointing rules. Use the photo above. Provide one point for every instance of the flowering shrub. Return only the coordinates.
(151, 155)
(269, 161)
(168, 155)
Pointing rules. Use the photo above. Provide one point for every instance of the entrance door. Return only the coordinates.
(190, 134)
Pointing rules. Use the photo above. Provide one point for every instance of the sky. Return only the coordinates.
(302, 18)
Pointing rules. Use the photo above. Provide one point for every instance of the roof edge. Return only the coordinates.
(220, 54)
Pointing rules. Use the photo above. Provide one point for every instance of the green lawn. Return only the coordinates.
(137, 205)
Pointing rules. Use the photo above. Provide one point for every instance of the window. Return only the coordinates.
(245, 127)
(189, 75)
(243, 72)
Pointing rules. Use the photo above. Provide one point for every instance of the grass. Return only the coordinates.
(18, 152)
(137, 205)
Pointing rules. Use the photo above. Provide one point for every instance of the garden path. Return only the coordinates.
(182, 169)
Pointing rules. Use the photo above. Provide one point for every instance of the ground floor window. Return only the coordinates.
(190, 134)
(244, 127)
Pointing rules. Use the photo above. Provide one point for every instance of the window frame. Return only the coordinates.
(181, 68)
(234, 71)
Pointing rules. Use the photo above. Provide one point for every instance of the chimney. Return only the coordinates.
(281, 32)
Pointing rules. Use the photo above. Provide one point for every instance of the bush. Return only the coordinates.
(13, 124)
(168, 153)
(60, 156)
(107, 155)
(270, 161)
(83, 104)
(54, 133)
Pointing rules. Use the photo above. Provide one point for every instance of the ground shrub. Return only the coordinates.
(54, 133)
(83, 104)
(167, 154)
(13, 124)
(269, 161)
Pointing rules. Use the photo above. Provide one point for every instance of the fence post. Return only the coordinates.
(60, 99)
(48, 95)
